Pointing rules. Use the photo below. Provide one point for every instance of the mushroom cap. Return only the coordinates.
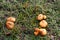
(36, 33)
(44, 16)
(9, 25)
(43, 31)
(12, 19)
(37, 29)
(40, 17)
(43, 23)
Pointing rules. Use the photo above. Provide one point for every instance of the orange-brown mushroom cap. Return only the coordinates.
(43, 23)
(43, 32)
(40, 17)
(44, 17)
(9, 25)
(37, 29)
(12, 19)
(36, 33)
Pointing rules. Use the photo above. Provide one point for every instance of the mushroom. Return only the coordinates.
(43, 23)
(37, 29)
(43, 31)
(9, 25)
(12, 19)
(44, 17)
(36, 33)
(40, 17)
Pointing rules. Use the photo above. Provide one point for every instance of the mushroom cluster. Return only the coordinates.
(43, 23)
(41, 17)
(10, 22)
(40, 31)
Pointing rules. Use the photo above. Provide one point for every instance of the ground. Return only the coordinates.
(25, 12)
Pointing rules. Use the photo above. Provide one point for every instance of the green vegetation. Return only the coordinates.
(25, 12)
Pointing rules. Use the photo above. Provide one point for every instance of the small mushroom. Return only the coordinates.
(44, 17)
(37, 29)
(43, 23)
(43, 32)
(9, 25)
(36, 33)
(40, 17)
(12, 19)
